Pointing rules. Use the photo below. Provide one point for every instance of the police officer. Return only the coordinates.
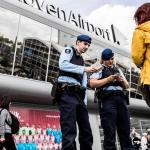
(109, 83)
(72, 82)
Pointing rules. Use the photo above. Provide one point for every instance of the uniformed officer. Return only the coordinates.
(72, 83)
(109, 83)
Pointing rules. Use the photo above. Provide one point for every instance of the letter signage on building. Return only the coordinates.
(70, 17)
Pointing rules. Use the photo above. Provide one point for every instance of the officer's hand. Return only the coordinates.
(119, 78)
(111, 78)
(91, 69)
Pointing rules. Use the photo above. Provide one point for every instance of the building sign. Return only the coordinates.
(36, 117)
(72, 18)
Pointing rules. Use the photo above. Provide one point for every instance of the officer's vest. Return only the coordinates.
(77, 60)
(106, 72)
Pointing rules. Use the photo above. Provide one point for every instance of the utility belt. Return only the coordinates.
(70, 88)
(101, 94)
(104, 94)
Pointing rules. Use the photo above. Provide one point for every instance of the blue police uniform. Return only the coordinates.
(113, 111)
(72, 104)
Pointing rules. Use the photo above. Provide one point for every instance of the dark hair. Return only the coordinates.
(142, 14)
(5, 101)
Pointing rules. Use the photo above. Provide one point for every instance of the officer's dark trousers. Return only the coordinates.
(115, 117)
(72, 111)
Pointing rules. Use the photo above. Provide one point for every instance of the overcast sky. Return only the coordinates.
(103, 13)
(86, 7)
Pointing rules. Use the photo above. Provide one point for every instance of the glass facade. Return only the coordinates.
(131, 73)
(8, 37)
(30, 49)
(34, 59)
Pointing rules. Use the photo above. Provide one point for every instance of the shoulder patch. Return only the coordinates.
(68, 51)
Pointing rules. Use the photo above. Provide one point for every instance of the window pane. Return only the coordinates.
(66, 39)
(8, 34)
(131, 73)
(54, 36)
(32, 50)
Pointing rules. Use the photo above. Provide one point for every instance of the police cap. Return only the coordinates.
(85, 38)
(107, 54)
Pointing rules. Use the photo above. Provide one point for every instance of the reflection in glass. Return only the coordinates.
(8, 36)
(94, 51)
(34, 59)
(53, 68)
(131, 73)
(32, 49)
(54, 35)
(65, 39)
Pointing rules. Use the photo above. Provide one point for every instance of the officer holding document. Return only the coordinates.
(110, 83)
(72, 82)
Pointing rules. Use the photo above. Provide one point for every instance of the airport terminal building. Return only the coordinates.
(33, 33)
